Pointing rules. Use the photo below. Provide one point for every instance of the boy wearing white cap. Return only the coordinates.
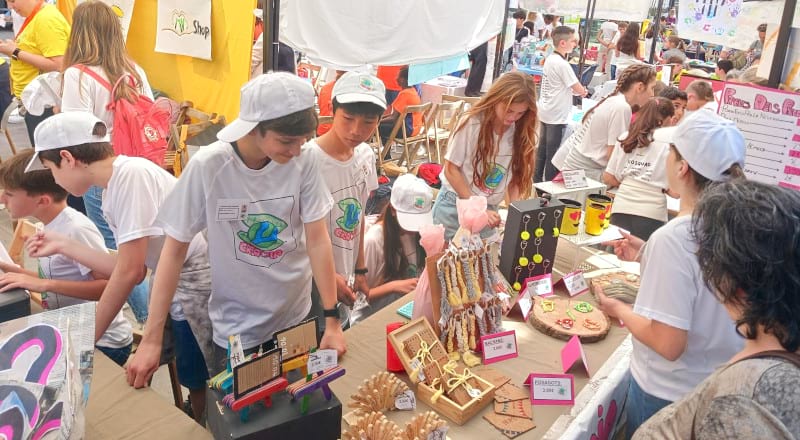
(264, 205)
(347, 165)
(75, 146)
(393, 254)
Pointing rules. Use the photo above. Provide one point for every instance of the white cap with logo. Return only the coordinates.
(359, 87)
(65, 130)
(710, 143)
(412, 199)
(269, 96)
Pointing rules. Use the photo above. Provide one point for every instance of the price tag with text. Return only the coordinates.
(322, 360)
(551, 389)
(232, 210)
(237, 353)
(541, 285)
(438, 433)
(499, 346)
(575, 179)
(525, 303)
(405, 401)
(575, 283)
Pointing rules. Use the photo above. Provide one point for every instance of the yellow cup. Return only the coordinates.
(602, 200)
(595, 217)
(572, 217)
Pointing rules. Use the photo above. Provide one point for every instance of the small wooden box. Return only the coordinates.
(458, 414)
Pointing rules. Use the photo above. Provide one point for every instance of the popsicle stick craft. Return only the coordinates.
(295, 343)
(255, 380)
(620, 285)
(563, 318)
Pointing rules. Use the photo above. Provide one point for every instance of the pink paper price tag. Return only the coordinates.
(499, 346)
(551, 389)
(575, 283)
(571, 353)
(525, 303)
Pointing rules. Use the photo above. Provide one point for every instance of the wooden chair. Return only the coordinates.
(469, 101)
(309, 71)
(191, 123)
(4, 125)
(444, 118)
(410, 143)
(24, 229)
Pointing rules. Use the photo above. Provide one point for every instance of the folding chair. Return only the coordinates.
(469, 101)
(409, 143)
(4, 125)
(192, 124)
(23, 230)
(310, 71)
(444, 119)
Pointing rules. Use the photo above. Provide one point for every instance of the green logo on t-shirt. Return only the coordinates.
(263, 230)
(494, 177)
(351, 210)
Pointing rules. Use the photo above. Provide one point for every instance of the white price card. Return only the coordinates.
(525, 303)
(574, 179)
(499, 346)
(575, 283)
(541, 285)
(551, 389)
(417, 365)
(405, 401)
(438, 434)
(229, 210)
(322, 360)
(237, 353)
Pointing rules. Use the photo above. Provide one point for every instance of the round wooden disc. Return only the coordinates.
(620, 285)
(545, 322)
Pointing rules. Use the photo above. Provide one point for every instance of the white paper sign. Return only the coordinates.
(541, 285)
(575, 283)
(322, 360)
(499, 346)
(405, 401)
(122, 9)
(237, 353)
(184, 28)
(552, 388)
(574, 179)
(525, 303)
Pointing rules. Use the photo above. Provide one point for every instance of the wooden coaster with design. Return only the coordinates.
(514, 408)
(491, 375)
(511, 427)
(564, 318)
(620, 285)
(510, 392)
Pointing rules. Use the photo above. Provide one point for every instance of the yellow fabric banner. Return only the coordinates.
(212, 86)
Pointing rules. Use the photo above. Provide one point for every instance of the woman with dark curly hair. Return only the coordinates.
(681, 334)
(748, 238)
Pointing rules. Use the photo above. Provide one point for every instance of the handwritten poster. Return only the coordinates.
(124, 10)
(709, 17)
(770, 122)
(184, 28)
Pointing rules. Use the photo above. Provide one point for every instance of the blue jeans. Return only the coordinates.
(445, 213)
(118, 355)
(639, 407)
(140, 295)
(550, 136)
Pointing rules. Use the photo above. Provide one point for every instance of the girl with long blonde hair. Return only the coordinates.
(491, 152)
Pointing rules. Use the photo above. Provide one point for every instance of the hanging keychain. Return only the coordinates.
(539, 232)
(517, 286)
(556, 224)
(537, 257)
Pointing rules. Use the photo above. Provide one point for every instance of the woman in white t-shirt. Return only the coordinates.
(96, 44)
(681, 333)
(627, 51)
(638, 167)
(591, 144)
(491, 152)
(392, 252)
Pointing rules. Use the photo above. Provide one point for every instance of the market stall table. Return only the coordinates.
(116, 410)
(538, 352)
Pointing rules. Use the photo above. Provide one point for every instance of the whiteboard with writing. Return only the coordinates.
(770, 122)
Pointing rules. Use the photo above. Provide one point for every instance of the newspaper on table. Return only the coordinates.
(45, 372)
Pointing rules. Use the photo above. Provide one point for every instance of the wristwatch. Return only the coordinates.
(15, 54)
(362, 271)
(332, 313)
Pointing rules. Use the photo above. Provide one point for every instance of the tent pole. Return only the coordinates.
(498, 51)
(271, 18)
(782, 44)
(590, 7)
(656, 23)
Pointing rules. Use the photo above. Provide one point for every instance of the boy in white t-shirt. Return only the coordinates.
(559, 84)
(75, 146)
(264, 205)
(347, 165)
(61, 280)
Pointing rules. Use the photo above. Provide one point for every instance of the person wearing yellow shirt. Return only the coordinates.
(38, 48)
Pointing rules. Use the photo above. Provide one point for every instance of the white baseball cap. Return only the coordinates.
(710, 143)
(64, 130)
(266, 97)
(359, 87)
(412, 199)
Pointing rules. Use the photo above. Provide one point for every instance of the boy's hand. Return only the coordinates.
(45, 244)
(143, 364)
(12, 280)
(628, 248)
(494, 218)
(610, 306)
(361, 285)
(343, 292)
(334, 338)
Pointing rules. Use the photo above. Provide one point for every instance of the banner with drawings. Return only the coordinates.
(770, 122)
(122, 9)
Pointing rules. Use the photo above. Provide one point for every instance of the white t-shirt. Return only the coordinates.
(588, 147)
(539, 25)
(374, 258)
(260, 270)
(350, 184)
(555, 101)
(642, 174)
(673, 292)
(131, 202)
(609, 30)
(83, 93)
(78, 227)
(461, 151)
(623, 61)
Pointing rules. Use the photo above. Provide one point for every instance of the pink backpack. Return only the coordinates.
(140, 127)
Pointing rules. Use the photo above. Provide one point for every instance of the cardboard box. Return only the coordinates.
(458, 414)
(282, 420)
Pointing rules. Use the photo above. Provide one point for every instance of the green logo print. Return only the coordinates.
(352, 211)
(263, 230)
